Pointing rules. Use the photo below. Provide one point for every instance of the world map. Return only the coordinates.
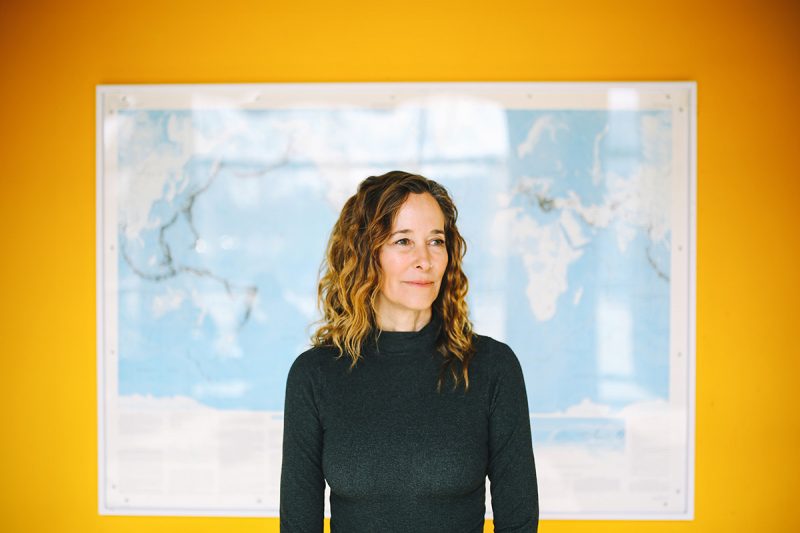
(222, 215)
(225, 218)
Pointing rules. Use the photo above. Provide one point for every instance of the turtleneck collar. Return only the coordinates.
(399, 342)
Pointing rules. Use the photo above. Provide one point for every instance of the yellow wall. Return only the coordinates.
(743, 55)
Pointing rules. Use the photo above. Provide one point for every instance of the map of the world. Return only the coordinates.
(221, 215)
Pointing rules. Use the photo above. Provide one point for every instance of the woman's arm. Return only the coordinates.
(302, 483)
(512, 473)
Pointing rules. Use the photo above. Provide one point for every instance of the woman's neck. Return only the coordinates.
(408, 321)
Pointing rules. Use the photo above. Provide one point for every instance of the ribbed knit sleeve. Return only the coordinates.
(302, 490)
(511, 469)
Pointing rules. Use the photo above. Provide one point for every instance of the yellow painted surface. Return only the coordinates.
(743, 55)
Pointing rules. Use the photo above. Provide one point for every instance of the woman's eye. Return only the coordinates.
(439, 242)
(402, 242)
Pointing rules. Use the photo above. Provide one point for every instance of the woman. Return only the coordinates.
(399, 405)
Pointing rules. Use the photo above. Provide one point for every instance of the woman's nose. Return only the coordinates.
(423, 260)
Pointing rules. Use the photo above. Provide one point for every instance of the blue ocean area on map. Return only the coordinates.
(218, 266)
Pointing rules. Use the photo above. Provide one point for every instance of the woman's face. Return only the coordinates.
(414, 258)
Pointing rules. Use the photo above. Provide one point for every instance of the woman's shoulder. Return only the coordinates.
(495, 354)
(496, 362)
(490, 345)
(316, 357)
(312, 362)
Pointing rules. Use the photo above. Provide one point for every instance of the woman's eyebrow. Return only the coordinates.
(433, 232)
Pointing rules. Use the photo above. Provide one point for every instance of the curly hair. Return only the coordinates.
(350, 276)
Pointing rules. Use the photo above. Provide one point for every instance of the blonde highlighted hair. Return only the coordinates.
(351, 277)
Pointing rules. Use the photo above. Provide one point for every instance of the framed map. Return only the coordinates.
(214, 205)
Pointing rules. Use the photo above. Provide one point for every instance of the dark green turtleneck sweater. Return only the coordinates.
(398, 456)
